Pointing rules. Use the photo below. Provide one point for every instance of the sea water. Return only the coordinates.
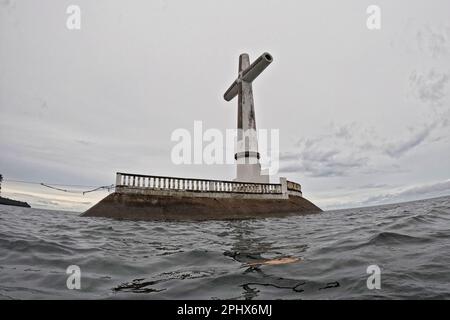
(329, 255)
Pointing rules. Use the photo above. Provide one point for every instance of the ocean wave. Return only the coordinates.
(394, 238)
(222, 259)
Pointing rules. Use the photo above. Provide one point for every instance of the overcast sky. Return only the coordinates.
(364, 115)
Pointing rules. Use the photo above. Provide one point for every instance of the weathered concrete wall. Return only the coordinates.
(198, 194)
(162, 207)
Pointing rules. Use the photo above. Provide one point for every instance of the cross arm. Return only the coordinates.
(256, 67)
(232, 90)
(249, 74)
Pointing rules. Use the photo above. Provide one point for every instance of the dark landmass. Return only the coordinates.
(11, 202)
(157, 207)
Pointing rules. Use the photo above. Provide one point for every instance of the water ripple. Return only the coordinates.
(321, 256)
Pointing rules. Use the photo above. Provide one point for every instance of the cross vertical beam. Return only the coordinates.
(247, 156)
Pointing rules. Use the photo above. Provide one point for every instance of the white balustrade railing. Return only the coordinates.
(191, 184)
(294, 186)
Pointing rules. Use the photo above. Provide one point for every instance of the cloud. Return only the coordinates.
(84, 142)
(344, 132)
(319, 168)
(429, 87)
(327, 155)
(59, 125)
(373, 186)
(399, 148)
(421, 191)
(434, 41)
(430, 41)
(351, 149)
(6, 3)
(378, 194)
(287, 156)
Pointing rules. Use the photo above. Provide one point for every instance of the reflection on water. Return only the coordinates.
(322, 256)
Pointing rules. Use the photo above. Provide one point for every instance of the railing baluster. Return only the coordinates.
(180, 184)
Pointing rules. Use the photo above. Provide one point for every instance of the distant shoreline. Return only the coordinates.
(11, 202)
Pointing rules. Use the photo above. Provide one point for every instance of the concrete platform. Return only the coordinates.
(132, 206)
